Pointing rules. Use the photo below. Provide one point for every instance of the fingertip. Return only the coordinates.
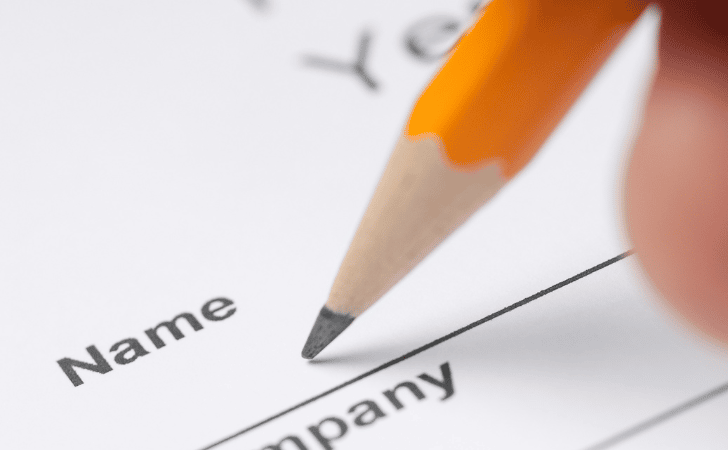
(676, 201)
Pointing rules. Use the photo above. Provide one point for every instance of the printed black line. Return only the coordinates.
(659, 419)
(421, 349)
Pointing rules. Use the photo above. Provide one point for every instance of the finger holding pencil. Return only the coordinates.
(676, 189)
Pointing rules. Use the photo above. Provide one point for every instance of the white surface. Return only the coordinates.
(156, 155)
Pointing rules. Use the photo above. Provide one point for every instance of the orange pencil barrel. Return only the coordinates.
(514, 75)
(503, 90)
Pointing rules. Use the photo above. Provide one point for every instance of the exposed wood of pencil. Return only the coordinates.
(419, 201)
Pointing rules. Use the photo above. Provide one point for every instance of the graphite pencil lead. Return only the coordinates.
(328, 326)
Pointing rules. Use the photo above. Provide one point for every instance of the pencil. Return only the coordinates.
(504, 88)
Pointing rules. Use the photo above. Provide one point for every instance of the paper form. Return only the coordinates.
(209, 162)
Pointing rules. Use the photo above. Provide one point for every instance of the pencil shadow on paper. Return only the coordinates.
(361, 356)
(260, 5)
(594, 333)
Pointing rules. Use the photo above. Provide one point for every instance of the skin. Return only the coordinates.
(676, 189)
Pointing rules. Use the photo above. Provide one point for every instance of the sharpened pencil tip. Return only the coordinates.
(328, 326)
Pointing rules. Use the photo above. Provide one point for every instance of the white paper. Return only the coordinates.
(160, 154)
